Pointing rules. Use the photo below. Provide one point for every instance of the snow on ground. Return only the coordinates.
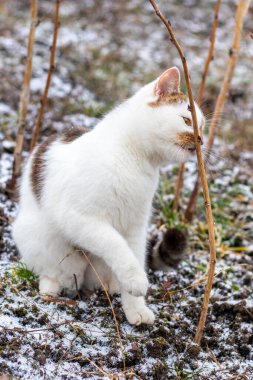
(106, 50)
(61, 341)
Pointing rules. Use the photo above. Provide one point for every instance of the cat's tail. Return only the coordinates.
(167, 251)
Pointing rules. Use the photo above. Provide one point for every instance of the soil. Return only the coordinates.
(106, 50)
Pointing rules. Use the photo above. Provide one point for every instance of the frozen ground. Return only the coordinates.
(106, 50)
(78, 340)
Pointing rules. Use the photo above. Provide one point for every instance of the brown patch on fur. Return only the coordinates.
(178, 97)
(38, 166)
(73, 133)
(186, 140)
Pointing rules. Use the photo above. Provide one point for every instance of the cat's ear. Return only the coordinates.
(168, 83)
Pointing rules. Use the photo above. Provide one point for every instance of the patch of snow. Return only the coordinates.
(5, 109)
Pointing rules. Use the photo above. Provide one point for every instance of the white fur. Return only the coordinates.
(97, 195)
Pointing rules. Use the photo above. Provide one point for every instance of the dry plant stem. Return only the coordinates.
(65, 301)
(210, 51)
(201, 166)
(43, 100)
(110, 302)
(241, 12)
(199, 97)
(179, 185)
(24, 98)
(115, 376)
(189, 212)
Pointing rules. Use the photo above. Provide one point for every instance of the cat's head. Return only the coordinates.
(168, 120)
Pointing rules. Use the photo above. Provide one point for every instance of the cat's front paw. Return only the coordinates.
(135, 282)
(140, 315)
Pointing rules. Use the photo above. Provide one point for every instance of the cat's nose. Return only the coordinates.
(200, 139)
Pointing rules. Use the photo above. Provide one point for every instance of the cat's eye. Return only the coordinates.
(187, 121)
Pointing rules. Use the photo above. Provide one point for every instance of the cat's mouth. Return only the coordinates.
(185, 141)
(190, 149)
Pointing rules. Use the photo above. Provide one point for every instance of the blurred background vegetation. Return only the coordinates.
(106, 50)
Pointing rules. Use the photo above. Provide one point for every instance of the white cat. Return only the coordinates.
(93, 192)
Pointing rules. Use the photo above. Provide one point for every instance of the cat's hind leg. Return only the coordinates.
(99, 276)
(45, 252)
(67, 270)
(49, 286)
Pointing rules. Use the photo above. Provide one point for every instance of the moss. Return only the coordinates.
(23, 273)
(40, 356)
(97, 112)
(71, 107)
(156, 346)
(43, 319)
(160, 370)
(169, 216)
(20, 311)
(193, 350)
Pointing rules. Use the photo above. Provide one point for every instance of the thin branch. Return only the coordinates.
(43, 100)
(209, 57)
(210, 52)
(111, 306)
(201, 166)
(77, 289)
(241, 12)
(179, 185)
(65, 301)
(190, 209)
(24, 98)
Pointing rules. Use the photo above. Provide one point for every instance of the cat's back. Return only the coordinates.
(52, 153)
(75, 168)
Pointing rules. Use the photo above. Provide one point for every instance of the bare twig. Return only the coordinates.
(77, 289)
(241, 12)
(189, 212)
(111, 306)
(179, 185)
(113, 376)
(65, 301)
(209, 57)
(43, 100)
(210, 52)
(24, 98)
(201, 166)
(54, 327)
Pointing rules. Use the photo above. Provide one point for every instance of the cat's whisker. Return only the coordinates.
(223, 112)
(220, 119)
(210, 153)
(217, 113)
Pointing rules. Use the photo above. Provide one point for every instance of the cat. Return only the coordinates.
(86, 198)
